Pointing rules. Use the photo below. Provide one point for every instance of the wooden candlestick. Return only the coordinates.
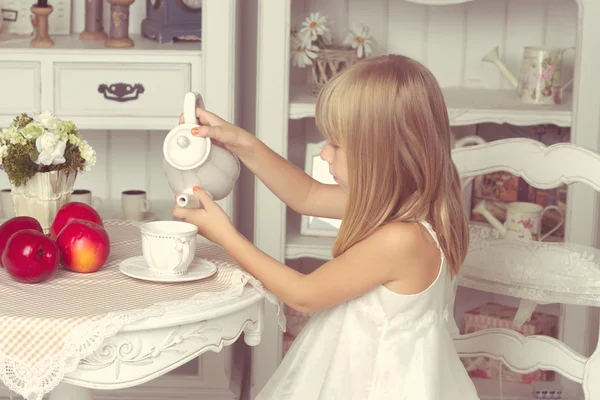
(118, 34)
(40, 23)
(94, 27)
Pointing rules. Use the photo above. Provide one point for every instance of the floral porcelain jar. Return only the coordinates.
(540, 80)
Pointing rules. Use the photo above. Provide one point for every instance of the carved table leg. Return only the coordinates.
(71, 392)
(591, 375)
(253, 330)
(252, 333)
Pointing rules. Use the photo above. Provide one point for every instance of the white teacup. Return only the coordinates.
(168, 247)
(85, 196)
(6, 200)
(134, 204)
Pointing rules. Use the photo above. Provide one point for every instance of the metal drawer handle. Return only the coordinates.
(121, 91)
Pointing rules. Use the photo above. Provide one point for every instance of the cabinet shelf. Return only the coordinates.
(299, 246)
(466, 106)
(75, 46)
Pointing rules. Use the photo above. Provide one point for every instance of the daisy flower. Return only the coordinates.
(313, 26)
(360, 40)
(302, 54)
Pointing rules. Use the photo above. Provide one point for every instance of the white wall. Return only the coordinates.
(422, 32)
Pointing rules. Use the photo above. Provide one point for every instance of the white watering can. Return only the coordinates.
(539, 81)
(197, 161)
(523, 220)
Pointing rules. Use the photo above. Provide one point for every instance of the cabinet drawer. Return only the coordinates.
(120, 90)
(21, 89)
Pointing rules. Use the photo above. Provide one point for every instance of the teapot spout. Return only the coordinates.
(494, 58)
(187, 200)
(481, 209)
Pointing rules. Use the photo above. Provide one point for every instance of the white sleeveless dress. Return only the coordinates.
(381, 345)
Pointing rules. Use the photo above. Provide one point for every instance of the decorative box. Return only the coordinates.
(295, 320)
(287, 343)
(494, 315)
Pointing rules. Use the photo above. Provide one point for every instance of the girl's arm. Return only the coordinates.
(289, 183)
(292, 185)
(368, 264)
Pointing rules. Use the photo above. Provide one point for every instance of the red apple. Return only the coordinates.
(84, 246)
(30, 256)
(71, 211)
(14, 225)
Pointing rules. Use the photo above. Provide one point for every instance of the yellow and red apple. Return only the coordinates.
(84, 246)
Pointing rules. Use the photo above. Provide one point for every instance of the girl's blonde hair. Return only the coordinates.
(388, 114)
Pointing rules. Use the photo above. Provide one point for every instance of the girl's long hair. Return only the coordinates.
(388, 114)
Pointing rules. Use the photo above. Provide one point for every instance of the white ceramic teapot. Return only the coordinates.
(197, 161)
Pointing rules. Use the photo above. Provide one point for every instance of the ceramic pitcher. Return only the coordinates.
(523, 220)
(540, 80)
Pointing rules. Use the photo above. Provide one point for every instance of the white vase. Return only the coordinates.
(43, 195)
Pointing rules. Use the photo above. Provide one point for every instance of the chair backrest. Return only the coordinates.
(543, 167)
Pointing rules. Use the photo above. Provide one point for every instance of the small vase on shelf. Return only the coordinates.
(41, 10)
(118, 34)
(94, 27)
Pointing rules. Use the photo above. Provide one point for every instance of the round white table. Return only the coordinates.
(105, 330)
(152, 347)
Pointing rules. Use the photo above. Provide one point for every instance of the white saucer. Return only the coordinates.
(136, 267)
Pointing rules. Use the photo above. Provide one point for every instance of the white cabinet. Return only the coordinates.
(113, 89)
(23, 86)
(126, 100)
(450, 38)
(102, 88)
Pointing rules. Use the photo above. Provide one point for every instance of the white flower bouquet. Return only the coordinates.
(43, 143)
(314, 45)
(42, 156)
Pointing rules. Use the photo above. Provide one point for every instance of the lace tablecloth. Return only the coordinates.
(46, 329)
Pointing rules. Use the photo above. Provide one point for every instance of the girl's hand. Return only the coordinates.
(212, 222)
(232, 137)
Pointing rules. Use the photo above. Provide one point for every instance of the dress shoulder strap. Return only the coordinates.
(429, 228)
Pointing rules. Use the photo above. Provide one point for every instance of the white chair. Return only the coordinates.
(543, 167)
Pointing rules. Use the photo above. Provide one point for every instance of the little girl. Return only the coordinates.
(381, 324)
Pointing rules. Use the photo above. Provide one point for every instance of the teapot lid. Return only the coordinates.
(183, 150)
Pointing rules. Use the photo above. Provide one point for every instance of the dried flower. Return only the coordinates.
(360, 39)
(315, 35)
(302, 56)
(313, 26)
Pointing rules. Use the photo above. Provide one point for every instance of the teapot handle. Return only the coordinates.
(190, 102)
